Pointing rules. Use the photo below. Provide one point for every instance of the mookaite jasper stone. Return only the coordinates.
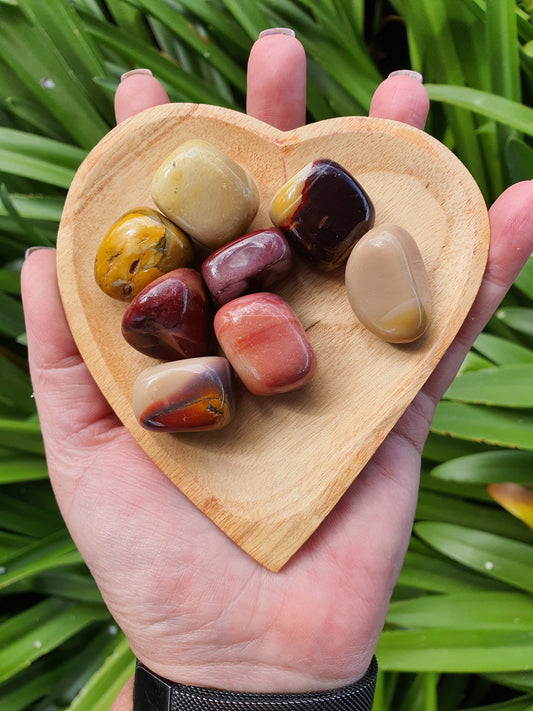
(170, 318)
(251, 263)
(387, 284)
(192, 395)
(265, 343)
(323, 211)
(140, 247)
(206, 193)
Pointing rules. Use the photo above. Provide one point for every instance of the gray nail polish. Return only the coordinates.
(134, 72)
(407, 73)
(277, 31)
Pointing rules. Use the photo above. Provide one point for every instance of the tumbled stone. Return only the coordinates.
(265, 343)
(171, 317)
(387, 284)
(206, 193)
(139, 247)
(322, 211)
(192, 395)
(254, 262)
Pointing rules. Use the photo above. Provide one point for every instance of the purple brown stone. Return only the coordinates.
(254, 262)
(170, 318)
(322, 211)
(193, 395)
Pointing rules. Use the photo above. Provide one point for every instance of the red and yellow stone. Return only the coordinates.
(192, 395)
(265, 343)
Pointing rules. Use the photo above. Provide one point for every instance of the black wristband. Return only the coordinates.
(152, 693)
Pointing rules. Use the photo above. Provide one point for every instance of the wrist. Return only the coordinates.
(259, 677)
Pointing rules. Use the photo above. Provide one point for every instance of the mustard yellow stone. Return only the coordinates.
(141, 246)
(387, 284)
(206, 193)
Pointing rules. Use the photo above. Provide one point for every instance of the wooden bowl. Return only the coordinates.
(271, 476)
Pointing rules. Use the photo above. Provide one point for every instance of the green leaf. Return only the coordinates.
(38, 62)
(484, 424)
(22, 435)
(524, 280)
(440, 575)
(38, 158)
(22, 469)
(455, 651)
(518, 318)
(249, 16)
(488, 468)
(101, 690)
(498, 557)
(12, 317)
(23, 517)
(432, 506)
(468, 611)
(502, 352)
(43, 627)
(504, 111)
(506, 386)
(184, 86)
(519, 159)
(16, 391)
(51, 552)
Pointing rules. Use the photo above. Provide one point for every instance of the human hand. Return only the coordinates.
(194, 607)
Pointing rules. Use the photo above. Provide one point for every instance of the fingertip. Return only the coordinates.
(401, 97)
(137, 91)
(276, 88)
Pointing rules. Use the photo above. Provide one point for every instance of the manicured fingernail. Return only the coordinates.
(277, 31)
(407, 73)
(133, 72)
(30, 250)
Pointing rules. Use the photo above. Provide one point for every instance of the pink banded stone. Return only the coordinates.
(265, 343)
(191, 395)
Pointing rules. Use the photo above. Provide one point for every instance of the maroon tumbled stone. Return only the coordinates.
(170, 318)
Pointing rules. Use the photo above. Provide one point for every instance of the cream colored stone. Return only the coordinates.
(206, 193)
(387, 284)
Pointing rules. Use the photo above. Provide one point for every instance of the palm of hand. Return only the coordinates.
(189, 599)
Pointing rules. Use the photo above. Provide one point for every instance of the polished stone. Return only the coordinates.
(138, 248)
(193, 395)
(322, 211)
(265, 343)
(206, 193)
(387, 284)
(171, 317)
(254, 262)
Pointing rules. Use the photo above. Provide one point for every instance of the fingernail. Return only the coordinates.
(30, 250)
(133, 72)
(407, 73)
(277, 31)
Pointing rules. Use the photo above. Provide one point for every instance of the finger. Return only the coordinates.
(65, 393)
(401, 97)
(138, 90)
(276, 80)
(511, 227)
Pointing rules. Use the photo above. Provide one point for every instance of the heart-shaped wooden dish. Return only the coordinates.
(275, 472)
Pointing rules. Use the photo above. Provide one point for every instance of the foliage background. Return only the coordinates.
(459, 629)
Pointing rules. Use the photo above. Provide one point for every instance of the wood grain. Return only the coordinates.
(271, 477)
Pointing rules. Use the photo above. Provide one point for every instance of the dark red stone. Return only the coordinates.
(333, 214)
(170, 318)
